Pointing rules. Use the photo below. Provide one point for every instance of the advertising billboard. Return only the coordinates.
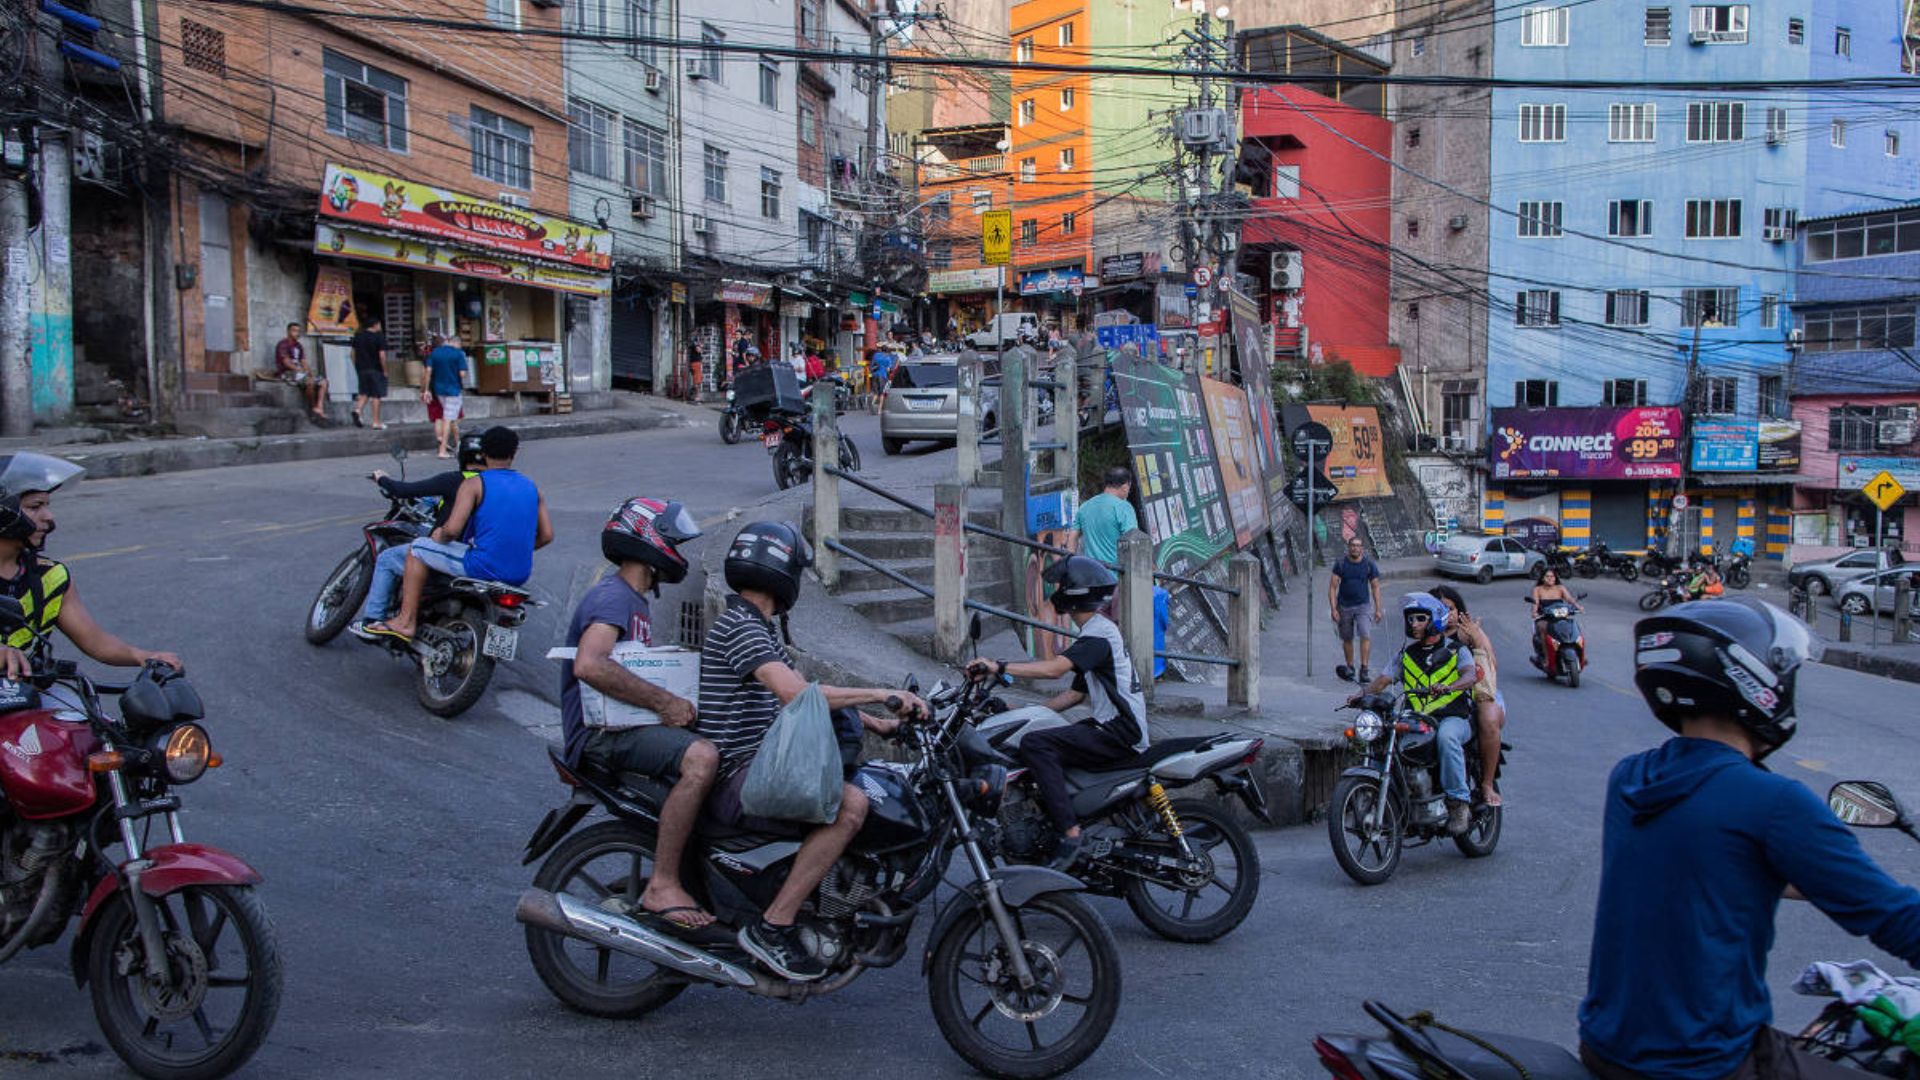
(1586, 444)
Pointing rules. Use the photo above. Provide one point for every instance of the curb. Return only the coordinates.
(1903, 668)
(147, 458)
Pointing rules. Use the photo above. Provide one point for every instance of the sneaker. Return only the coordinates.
(1366, 674)
(1343, 673)
(1459, 817)
(1067, 852)
(779, 948)
(357, 422)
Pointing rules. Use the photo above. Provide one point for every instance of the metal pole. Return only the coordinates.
(826, 486)
(1310, 599)
(1136, 605)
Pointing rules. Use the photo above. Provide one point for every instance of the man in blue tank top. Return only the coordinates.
(498, 520)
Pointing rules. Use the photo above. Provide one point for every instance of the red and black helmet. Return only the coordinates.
(649, 531)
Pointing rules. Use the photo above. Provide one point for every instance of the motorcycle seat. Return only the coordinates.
(652, 794)
(1145, 759)
(1540, 1060)
(492, 588)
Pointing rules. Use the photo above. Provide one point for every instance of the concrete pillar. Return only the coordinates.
(1902, 610)
(1243, 632)
(1136, 604)
(53, 300)
(16, 303)
(1013, 424)
(967, 432)
(826, 487)
(949, 572)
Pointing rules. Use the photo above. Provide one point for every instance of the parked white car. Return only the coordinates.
(1875, 592)
(1484, 558)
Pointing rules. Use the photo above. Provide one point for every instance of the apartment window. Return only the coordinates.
(1413, 228)
(1067, 224)
(1710, 306)
(590, 138)
(646, 158)
(1769, 311)
(941, 208)
(1720, 395)
(1716, 121)
(982, 201)
(813, 19)
(1858, 329)
(504, 13)
(1624, 393)
(1543, 26)
(1773, 397)
(1659, 26)
(1842, 42)
(1029, 232)
(1066, 99)
(587, 16)
(1718, 24)
(1796, 31)
(1627, 307)
(769, 193)
(1536, 393)
(1459, 413)
(1413, 311)
(710, 64)
(1066, 159)
(1023, 52)
(770, 82)
(1837, 134)
(813, 232)
(1630, 122)
(641, 23)
(1029, 169)
(713, 161)
(1413, 136)
(1540, 219)
(1537, 307)
(1543, 123)
(203, 48)
(1856, 428)
(809, 125)
(1776, 222)
(364, 103)
(1630, 217)
(1066, 34)
(1420, 46)
(1892, 144)
(502, 148)
(1026, 111)
(1872, 234)
(1776, 124)
(1713, 219)
(1286, 181)
(939, 254)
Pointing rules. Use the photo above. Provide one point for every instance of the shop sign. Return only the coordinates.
(857, 299)
(1779, 446)
(331, 310)
(796, 309)
(1057, 279)
(972, 279)
(1726, 445)
(1171, 301)
(1123, 267)
(385, 202)
(1854, 472)
(1586, 444)
(677, 292)
(1114, 337)
(743, 292)
(407, 251)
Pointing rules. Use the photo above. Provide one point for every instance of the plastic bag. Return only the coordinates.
(796, 775)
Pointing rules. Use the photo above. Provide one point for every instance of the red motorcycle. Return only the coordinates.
(1562, 649)
(173, 942)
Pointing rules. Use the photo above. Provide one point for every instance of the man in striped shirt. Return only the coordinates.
(746, 677)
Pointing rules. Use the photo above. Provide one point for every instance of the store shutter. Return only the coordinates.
(1620, 518)
(633, 340)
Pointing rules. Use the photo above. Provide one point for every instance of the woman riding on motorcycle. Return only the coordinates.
(1548, 590)
(1490, 707)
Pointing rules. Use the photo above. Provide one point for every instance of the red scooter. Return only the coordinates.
(1562, 647)
(173, 943)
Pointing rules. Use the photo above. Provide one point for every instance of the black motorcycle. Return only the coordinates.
(1393, 799)
(1671, 590)
(1601, 559)
(1739, 571)
(1024, 977)
(1559, 560)
(733, 421)
(466, 624)
(789, 438)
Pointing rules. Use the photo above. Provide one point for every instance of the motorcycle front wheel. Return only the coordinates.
(1228, 876)
(219, 997)
(1570, 667)
(340, 598)
(1041, 1031)
(849, 455)
(1629, 571)
(1654, 600)
(1587, 568)
(452, 680)
(1369, 856)
(729, 428)
(607, 865)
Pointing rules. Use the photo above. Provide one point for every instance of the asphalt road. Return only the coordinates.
(390, 839)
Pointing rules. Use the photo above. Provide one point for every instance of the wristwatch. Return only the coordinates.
(1001, 668)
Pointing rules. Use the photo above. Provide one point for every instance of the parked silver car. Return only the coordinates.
(1875, 592)
(921, 401)
(1484, 558)
(1825, 576)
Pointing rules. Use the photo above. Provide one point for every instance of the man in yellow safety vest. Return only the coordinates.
(1437, 676)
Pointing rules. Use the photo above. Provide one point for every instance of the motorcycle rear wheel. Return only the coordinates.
(556, 957)
(168, 1033)
(788, 467)
(467, 674)
(1629, 571)
(1367, 861)
(969, 963)
(1738, 577)
(1207, 830)
(1483, 835)
(1587, 568)
(849, 455)
(340, 599)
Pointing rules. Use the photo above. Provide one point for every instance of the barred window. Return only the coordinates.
(203, 48)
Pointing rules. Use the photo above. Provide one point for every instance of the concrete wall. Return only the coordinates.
(727, 114)
(1366, 24)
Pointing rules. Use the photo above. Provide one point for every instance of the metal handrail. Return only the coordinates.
(1011, 616)
(1197, 658)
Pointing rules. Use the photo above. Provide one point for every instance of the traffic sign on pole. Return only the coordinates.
(1306, 489)
(1203, 276)
(996, 237)
(1313, 438)
(1883, 490)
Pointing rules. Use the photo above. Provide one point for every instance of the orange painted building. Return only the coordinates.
(1052, 159)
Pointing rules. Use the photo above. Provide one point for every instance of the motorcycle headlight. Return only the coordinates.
(186, 752)
(1368, 725)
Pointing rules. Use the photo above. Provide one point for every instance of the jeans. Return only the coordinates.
(387, 570)
(1453, 733)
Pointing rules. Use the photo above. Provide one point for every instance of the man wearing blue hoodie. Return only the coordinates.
(1699, 846)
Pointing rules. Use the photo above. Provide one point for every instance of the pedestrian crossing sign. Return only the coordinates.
(996, 237)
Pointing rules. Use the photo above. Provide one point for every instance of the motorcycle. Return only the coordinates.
(1671, 590)
(173, 942)
(733, 421)
(466, 624)
(1562, 650)
(1600, 559)
(1739, 571)
(1559, 560)
(789, 438)
(1023, 976)
(1393, 796)
(842, 391)
(1162, 855)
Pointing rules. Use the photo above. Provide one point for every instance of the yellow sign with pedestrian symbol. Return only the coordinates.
(996, 237)
(1884, 490)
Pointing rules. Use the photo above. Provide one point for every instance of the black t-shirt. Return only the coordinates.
(367, 347)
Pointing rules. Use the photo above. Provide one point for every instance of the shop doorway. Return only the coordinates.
(1620, 518)
(633, 343)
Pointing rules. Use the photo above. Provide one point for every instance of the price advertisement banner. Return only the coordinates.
(1231, 419)
(1357, 465)
(1184, 508)
(1586, 444)
(373, 199)
(1726, 445)
(331, 310)
(1779, 445)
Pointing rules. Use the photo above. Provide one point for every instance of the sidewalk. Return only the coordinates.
(142, 457)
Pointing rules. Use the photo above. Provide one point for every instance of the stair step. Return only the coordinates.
(889, 545)
(899, 603)
(855, 576)
(896, 519)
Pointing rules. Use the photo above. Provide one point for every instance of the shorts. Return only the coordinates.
(1357, 622)
(373, 381)
(444, 408)
(447, 558)
(295, 378)
(723, 806)
(653, 751)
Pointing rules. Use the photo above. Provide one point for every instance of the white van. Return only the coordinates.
(1005, 329)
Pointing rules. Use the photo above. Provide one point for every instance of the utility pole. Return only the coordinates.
(1210, 219)
(16, 302)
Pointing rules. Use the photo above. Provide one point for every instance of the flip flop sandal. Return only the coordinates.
(381, 629)
(665, 918)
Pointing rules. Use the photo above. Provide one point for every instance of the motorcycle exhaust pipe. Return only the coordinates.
(565, 915)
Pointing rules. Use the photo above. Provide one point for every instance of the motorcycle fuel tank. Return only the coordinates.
(894, 814)
(43, 764)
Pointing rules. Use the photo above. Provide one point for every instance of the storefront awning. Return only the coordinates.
(1764, 479)
(401, 249)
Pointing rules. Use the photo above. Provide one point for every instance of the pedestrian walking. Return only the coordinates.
(446, 368)
(370, 367)
(290, 363)
(693, 367)
(1353, 593)
(1108, 516)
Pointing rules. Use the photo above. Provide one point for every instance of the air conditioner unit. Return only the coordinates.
(1284, 271)
(1895, 432)
(696, 72)
(1776, 234)
(1795, 337)
(643, 206)
(512, 198)
(653, 80)
(1775, 137)
(1700, 37)
(703, 224)
(1457, 222)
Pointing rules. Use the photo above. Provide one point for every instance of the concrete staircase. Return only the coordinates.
(902, 541)
(219, 404)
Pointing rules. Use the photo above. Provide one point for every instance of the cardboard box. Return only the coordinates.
(676, 671)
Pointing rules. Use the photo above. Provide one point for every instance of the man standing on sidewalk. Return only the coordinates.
(370, 368)
(1108, 516)
(1353, 592)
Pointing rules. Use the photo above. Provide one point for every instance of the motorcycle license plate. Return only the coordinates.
(772, 440)
(502, 642)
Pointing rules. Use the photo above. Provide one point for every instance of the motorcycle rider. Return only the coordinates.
(391, 564)
(1437, 675)
(1103, 676)
(1489, 705)
(1546, 591)
(746, 677)
(44, 587)
(1700, 843)
(642, 540)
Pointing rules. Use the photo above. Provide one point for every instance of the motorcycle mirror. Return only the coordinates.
(913, 684)
(973, 627)
(1866, 804)
(1579, 596)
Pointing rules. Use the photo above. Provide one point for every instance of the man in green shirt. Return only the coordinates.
(1106, 517)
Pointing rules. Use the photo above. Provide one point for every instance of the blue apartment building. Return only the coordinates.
(1642, 246)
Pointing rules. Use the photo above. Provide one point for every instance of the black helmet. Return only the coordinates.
(1079, 584)
(22, 474)
(1722, 656)
(471, 457)
(649, 531)
(768, 557)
